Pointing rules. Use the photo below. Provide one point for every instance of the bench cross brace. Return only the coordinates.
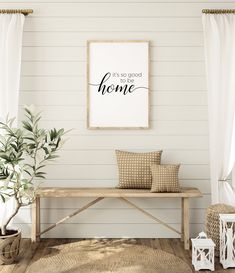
(149, 215)
(72, 214)
(36, 233)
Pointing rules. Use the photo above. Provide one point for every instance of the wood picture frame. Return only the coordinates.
(118, 93)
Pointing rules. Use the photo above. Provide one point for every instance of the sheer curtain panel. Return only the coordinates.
(219, 37)
(11, 30)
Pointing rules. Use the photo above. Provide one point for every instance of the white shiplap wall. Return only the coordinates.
(53, 78)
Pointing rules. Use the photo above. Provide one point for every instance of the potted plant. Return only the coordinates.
(24, 152)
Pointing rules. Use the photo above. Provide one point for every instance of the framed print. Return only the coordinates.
(118, 84)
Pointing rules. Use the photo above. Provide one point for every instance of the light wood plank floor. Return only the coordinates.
(31, 252)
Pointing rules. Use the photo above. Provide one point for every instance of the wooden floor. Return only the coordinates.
(31, 252)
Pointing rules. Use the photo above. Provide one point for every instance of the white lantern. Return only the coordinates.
(203, 252)
(227, 240)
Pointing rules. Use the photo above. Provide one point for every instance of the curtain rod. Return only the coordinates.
(218, 11)
(23, 11)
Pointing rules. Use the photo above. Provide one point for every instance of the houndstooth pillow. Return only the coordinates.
(165, 178)
(134, 169)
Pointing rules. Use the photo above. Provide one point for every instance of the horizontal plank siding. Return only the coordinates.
(110, 216)
(74, 98)
(74, 39)
(107, 157)
(78, 54)
(171, 112)
(77, 24)
(53, 77)
(79, 69)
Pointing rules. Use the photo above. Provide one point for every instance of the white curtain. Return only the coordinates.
(219, 37)
(11, 30)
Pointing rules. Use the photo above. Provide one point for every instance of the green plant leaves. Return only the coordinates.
(24, 153)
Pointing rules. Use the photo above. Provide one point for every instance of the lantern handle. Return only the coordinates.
(202, 235)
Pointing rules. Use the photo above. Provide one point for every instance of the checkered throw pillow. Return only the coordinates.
(134, 169)
(165, 178)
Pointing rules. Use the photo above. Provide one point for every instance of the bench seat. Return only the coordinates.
(115, 192)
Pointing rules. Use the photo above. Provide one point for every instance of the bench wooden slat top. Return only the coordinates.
(113, 192)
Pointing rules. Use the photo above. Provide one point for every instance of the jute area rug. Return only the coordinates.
(107, 256)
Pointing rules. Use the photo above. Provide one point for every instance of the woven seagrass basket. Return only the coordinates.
(10, 247)
(213, 224)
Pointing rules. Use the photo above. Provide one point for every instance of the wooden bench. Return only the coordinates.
(101, 193)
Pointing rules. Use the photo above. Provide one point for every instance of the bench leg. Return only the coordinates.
(35, 236)
(185, 222)
(182, 220)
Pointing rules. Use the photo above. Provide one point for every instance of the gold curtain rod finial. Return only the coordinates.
(218, 11)
(13, 11)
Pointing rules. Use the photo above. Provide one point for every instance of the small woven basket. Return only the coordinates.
(9, 248)
(213, 224)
